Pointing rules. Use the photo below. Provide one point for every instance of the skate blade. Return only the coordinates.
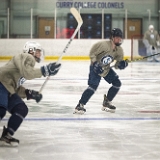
(78, 112)
(108, 110)
(12, 144)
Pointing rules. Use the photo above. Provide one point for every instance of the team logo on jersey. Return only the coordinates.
(106, 60)
(152, 36)
(20, 81)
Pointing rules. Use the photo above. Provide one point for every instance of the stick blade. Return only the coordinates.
(77, 16)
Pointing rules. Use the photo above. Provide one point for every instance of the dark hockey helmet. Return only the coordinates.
(116, 32)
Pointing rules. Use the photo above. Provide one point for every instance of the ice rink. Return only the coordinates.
(52, 132)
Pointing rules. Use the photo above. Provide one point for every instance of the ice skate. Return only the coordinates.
(107, 106)
(7, 140)
(79, 109)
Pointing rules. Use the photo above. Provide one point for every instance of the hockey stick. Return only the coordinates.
(139, 59)
(79, 20)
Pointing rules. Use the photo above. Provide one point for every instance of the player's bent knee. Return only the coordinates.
(2, 112)
(117, 83)
(20, 110)
(94, 87)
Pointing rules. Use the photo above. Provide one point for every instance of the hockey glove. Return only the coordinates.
(123, 64)
(50, 69)
(97, 68)
(31, 94)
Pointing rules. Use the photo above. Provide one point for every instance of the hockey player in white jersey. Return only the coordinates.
(12, 75)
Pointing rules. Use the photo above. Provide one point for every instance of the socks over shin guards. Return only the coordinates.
(19, 112)
(87, 94)
(14, 123)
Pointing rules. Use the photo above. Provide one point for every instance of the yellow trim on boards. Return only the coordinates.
(67, 58)
(47, 58)
(54, 57)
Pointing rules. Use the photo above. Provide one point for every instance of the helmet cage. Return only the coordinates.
(116, 32)
(31, 47)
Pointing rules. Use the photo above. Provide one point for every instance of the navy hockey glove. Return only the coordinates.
(97, 68)
(123, 64)
(50, 69)
(31, 94)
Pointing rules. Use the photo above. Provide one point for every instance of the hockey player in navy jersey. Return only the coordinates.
(102, 54)
(12, 75)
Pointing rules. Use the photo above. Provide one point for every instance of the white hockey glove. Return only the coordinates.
(51, 69)
(146, 43)
(158, 44)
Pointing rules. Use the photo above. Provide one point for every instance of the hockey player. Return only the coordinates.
(12, 75)
(151, 41)
(102, 54)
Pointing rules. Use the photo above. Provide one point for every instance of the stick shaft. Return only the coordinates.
(65, 49)
(59, 59)
(43, 85)
(80, 22)
(139, 59)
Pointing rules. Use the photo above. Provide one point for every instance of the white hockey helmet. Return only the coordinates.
(151, 27)
(31, 47)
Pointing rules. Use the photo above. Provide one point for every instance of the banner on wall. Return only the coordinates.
(89, 5)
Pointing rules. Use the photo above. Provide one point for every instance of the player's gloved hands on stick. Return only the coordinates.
(51, 69)
(97, 68)
(123, 64)
(31, 94)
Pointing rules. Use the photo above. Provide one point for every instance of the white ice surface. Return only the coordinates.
(52, 132)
